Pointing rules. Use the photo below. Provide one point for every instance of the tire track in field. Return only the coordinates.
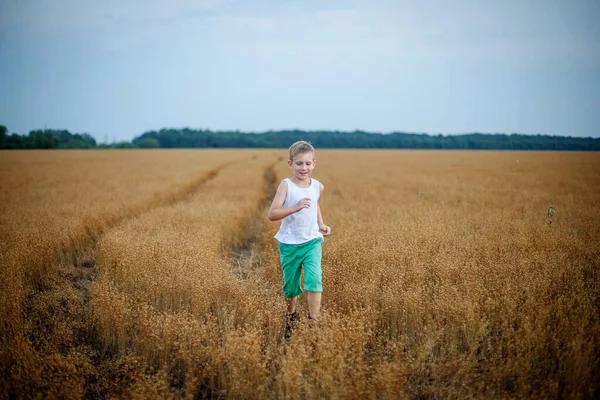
(58, 305)
(97, 226)
(245, 252)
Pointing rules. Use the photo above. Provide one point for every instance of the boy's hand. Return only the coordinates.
(324, 229)
(303, 203)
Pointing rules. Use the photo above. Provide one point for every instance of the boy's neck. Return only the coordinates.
(302, 183)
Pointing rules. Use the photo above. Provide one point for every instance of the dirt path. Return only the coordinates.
(245, 253)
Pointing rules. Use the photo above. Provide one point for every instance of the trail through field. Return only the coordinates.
(246, 252)
(59, 303)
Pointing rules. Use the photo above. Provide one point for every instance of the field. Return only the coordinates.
(154, 274)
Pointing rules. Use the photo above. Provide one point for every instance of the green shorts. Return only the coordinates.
(293, 257)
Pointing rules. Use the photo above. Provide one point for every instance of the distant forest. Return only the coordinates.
(191, 138)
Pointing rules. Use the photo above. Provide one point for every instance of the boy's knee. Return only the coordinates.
(292, 294)
(313, 283)
(291, 289)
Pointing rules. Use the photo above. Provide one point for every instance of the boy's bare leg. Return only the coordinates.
(314, 304)
(291, 304)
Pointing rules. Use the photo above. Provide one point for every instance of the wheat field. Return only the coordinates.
(154, 274)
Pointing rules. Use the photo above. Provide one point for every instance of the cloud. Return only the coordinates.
(109, 24)
(67, 15)
(431, 30)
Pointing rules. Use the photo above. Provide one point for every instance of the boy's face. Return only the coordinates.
(302, 165)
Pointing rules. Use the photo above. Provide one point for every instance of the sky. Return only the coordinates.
(115, 68)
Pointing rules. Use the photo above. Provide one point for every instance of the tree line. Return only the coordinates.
(193, 138)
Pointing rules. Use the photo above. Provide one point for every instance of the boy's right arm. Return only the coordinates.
(276, 212)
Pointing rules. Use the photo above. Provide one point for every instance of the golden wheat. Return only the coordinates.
(446, 276)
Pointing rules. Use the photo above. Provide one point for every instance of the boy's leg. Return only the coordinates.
(291, 264)
(291, 318)
(314, 304)
(313, 278)
(291, 304)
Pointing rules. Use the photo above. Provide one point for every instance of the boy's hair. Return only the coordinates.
(301, 147)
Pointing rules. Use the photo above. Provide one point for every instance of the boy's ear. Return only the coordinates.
(289, 163)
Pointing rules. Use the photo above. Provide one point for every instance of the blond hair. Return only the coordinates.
(301, 147)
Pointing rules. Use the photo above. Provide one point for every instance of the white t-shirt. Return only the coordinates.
(302, 226)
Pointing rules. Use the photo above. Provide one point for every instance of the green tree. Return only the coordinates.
(3, 133)
(147, 143)
(43, 140)
(77, 144)
(122, 145)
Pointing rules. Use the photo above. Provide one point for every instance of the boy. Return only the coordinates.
(301, 233)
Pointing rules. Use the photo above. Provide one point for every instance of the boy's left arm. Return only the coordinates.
(324, 229)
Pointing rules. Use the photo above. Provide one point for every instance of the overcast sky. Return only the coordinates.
(117, 68)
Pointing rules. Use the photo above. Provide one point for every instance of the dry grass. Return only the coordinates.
(155, 274)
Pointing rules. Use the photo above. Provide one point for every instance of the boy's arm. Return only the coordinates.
(320, 217)
(324, 229)
(276, 212)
